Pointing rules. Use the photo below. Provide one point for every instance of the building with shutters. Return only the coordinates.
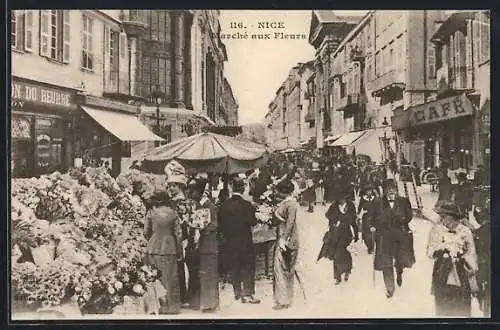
(64, 64)
(453, 126)
(286, 122)
(178, 53)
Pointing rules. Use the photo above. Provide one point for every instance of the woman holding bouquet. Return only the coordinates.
(205, 293)
(341, 218)
(451, 245)
(162, 229)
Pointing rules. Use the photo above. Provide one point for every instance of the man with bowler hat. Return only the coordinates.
(236, 219)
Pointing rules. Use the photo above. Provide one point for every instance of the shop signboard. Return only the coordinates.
(23, 93)
(440, 110)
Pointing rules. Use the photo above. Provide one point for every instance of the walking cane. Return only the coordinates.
(373, 271)
(300, 284)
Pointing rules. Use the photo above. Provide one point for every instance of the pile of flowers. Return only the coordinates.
(68, 232)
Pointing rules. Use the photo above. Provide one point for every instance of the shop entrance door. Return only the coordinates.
(23, 158)
(430, 154)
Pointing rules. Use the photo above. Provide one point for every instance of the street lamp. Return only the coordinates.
(157, 97)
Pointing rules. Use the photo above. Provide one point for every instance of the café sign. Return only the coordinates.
(449, 108)
(22, 93)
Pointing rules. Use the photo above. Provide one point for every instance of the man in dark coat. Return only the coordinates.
(464, 193)
(394, 241)
(236, 219)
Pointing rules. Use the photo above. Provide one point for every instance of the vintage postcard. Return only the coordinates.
(250, 164)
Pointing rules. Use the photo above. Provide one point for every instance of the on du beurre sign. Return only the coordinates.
(24, 92)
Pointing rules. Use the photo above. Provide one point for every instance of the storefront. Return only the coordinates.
(105, 130)
(438, 131)
(40, 128)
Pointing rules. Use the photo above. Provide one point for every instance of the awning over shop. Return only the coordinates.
(332, 138)
(126, 127)
(347, 139)
(370, 143)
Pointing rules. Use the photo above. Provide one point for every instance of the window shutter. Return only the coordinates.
(468, 55)
(28, 31)
(107, 54)
(44, 33)
(477, 42)
(431, 58)
(13, 31)
(66, 36)
(123, 45)
(485, 38)
(20, 29)
(123, 63)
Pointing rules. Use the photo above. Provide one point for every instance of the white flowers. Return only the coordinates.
(118, 285)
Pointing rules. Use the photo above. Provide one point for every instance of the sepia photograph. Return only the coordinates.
(249, 164)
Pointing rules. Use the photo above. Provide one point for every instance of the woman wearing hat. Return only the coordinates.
(451, 245)
(342, 222)
(204, 287)
(176, 185)
(393, 238)
(365, 209)
(164, 248)
(285, 255)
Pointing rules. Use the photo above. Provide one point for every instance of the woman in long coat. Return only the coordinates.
(366, 205)
(341, 219)
(164, 250)
(451, 245)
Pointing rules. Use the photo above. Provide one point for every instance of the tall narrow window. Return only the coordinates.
(54, 34)
(87, 40)
(113, 49)
(21, 33)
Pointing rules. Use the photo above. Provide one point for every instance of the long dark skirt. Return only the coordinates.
(452, 301)
(167, 264)
(342, 262)
(284, 272)
(209, 281)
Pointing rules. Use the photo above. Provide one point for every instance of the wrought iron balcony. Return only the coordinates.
(394, 79)
(134, 21)
(340, 104)
(357, 54)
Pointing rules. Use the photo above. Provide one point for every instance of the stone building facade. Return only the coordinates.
(65, 64)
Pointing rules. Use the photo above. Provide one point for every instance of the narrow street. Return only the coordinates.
(358, 298)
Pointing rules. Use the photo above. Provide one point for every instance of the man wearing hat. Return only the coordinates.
(464, 193)
(236, 218)
(394, 240)
(365, 209)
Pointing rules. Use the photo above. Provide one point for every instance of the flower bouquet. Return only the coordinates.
(43, 285)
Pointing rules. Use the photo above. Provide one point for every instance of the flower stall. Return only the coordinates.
(77, 239)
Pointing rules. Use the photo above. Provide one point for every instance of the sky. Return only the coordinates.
(256, 68)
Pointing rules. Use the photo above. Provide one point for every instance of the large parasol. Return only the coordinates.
(208, 152)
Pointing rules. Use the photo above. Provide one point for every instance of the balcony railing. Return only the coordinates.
(392, 79)
(454, 78)
(457, 78)
(340, 104)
